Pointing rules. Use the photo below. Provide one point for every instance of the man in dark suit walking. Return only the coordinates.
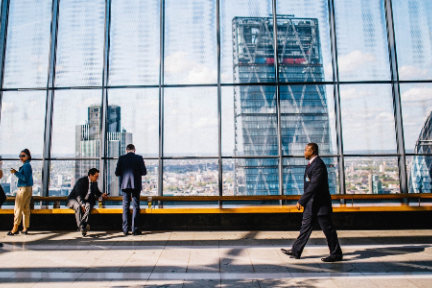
(83, 198)
(130, 169)
(316, 201)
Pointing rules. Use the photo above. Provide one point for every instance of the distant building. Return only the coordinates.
(420, 174)
(88, 143)
(304, 113)
(375, 185)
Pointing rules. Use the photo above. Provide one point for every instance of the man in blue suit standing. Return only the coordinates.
(130, 169)
(317, 204)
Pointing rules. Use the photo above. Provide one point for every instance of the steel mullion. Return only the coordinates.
(336, 95)
(161, 95)
(277, 91)
(219, 99)
(50, 98)
(104, 100)
(397, 106)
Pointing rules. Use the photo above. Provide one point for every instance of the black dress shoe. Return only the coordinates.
(332, 258)
(1, 244)
(125, 233)
(289, 253)
(83, 231)
(137, 232)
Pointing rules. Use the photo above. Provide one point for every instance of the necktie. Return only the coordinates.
(308, 165)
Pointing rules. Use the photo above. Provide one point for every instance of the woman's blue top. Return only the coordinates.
(25, 175)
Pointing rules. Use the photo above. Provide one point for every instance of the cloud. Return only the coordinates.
(417, 94)
(8, 107)
(353, 93)
(354, 60)
(181, 68)
(412, 72)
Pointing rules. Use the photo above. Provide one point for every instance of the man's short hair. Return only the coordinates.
(130, 147)
(93, 171)
(314, 148)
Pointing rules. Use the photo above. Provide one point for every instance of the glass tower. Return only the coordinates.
(304, 112)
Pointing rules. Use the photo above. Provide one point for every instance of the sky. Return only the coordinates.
(191, 58)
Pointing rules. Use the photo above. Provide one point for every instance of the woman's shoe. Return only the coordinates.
(25, 232)
(10, 233)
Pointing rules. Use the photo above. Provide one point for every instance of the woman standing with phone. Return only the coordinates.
(23, 196)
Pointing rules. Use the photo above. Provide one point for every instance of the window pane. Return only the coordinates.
(308, 116)
(149, 182)
(416, 111)
(76, 123)
(251, 176)
(134, 42)
(419, 174)
(247, 53)
(80, 43)
(190, 177)
(304, 41)
(28, 40)
(367, 119)
(22, 123)
(191, 122)
(371, 175)
(249, 121)
(361, 40)
(64, 174)
(9, 182)
(190, 42)
(413, 31)
(133, 118)
(294, 169)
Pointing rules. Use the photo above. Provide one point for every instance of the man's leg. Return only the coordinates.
(73, 204)
(126, 212)
(85, 217)
(136, 209)
(305, 232)
(326, 225)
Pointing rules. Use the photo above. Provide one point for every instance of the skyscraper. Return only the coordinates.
(420, 176)
(88, 139)
(304, 114)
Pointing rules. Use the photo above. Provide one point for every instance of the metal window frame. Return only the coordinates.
(50, 90)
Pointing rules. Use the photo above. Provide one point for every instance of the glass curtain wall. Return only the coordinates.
(219, 97)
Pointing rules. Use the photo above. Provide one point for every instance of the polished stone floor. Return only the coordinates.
(401, 258)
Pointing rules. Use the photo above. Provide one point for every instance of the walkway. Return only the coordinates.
(214, 259)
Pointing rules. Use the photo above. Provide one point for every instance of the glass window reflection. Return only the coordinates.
(362, 45)
(80, 43)
(190, 42)
(134, 42)
(413, 32)
(368, 125)
(22, 123)
(28, 40)
(77, 124)
(133, 117)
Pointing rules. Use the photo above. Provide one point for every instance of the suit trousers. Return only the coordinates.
(127, 195)
(22, 206)
(81, 217)
(326, 225)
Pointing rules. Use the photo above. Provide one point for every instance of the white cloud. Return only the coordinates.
(416, 95)
(354, 60)
(353, 93)
(184, 69)
(412, 72)
(8, 107)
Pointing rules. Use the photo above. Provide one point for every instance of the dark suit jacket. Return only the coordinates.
(130, 168)
(80, 191)
(316, 198)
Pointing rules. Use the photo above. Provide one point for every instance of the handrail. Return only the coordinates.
(249, 198)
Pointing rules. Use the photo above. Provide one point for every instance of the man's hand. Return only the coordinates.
(104, 195)
(299, 207)
(83, 208)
